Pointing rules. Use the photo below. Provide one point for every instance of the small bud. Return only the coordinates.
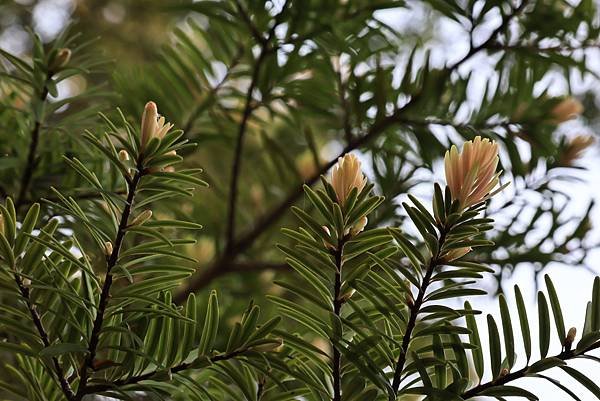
(123, 155)
(455, 254)
(26, 282)
(163, 375)
(346, 176)
(108, 248)
(169, 169)
(568, 109)
(359, 226)
(153, 126)
(328, 232)
(347, 295)
(62, 59)
(503, 372)
(410, 301)
(141, 218)
(149, 118)
(103, 364)
(471, 174)
(162, 127)
(270, 345)
(574, 149)
(570, 338)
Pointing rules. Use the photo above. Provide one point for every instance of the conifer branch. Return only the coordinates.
(99, 388)
(337, 309)
(32, 152)
(237, 246)
(112, 260)
(415, 309)
(239, 146)
(565, 355)
(37, 321)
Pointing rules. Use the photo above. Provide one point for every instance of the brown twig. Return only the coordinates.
(105, 294)
(32, 153)
(415, 309)
(239, 146)
(37, 321)
(337, 309)
(98, 388)
(500, 381)
(219, 267)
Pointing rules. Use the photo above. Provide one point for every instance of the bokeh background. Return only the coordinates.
(546, 203)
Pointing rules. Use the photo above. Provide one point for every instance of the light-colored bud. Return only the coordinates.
(346, 176)
(108, 248)
(471, 174)
(271, 345)
(328, 232)
(149, 123)
(123, 155)
(503, 372)
(347, 295)
(63, 56)
(568, 109)
(153, 125)
(26, 282)
(575, 149)
(455, 254)
(359, 226)
(141, 218)
(570, 338)
(162, 127)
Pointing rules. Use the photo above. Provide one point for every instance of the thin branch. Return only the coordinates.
(105, 294)
(99, 388)
(248, 21)
(500, 381)
(434, 261)
(337, 309)
(37, 321)
(239, 146)
(32, 153)
(261, 387)
(415, 309)
(219, 267)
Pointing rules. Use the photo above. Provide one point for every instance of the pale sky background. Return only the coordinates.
(574, 285)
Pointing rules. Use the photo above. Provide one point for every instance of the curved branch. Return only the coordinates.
(32, 153)
(98, 388)
(239, 245)
(337, 310)
(37, 321)
(415, 309)
(105, 294)
(239, 146)
(564, 356)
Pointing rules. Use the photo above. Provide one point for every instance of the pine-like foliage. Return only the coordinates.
(300, 181)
